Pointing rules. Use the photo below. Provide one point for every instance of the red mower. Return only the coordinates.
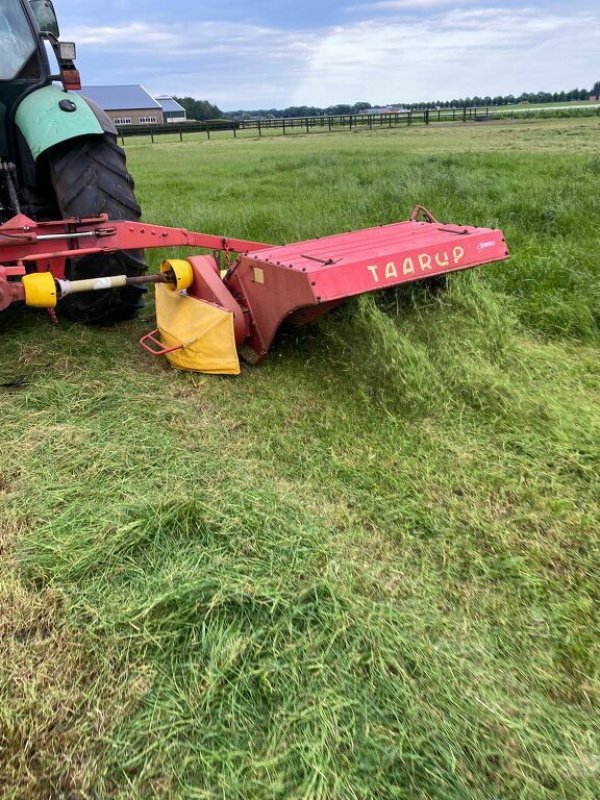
(59, 157)
(205, 316)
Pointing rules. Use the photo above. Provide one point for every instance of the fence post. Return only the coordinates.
(180, 135)
(208, 133)
(234, 131)
(152, 135)
(283, 120)
(306, 120)
(426, 115)
(259, 128)
(329, 121)
(122, 139)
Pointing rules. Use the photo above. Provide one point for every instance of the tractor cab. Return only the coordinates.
(23, 62)
(25, 27)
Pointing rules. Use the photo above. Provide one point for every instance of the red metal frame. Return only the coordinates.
(302, 281)
(266, 284)
(47, 245)
(158, 348)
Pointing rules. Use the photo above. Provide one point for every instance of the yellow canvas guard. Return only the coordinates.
(203, 330)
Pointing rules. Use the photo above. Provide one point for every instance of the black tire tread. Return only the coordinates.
(90, 177)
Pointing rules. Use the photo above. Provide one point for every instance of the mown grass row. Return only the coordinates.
(366, 568)
(548, 112)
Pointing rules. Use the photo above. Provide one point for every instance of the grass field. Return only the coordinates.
(366, 569)
(358, 124)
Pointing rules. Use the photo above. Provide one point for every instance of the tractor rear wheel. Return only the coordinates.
(89, 177)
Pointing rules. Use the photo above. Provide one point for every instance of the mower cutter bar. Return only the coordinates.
(264, 286)
(302, 281)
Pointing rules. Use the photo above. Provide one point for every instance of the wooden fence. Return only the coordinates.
(325, 124)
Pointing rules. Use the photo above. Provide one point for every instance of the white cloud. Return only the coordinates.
(116, 36)
(456, 52)
(181, 40)
(251, 66)
(402, 5)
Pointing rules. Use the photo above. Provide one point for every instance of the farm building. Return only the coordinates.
(382, 110)
(172, 110)
(126, 105)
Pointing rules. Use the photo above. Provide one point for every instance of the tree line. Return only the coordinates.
(509, 99)
(199, 109)
(203, 110)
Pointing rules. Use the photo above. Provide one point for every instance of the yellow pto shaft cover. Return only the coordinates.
(40, 290)
(182, 270)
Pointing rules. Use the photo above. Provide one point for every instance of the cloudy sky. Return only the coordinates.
(275, 53)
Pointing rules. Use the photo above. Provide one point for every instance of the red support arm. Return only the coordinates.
(48, 244)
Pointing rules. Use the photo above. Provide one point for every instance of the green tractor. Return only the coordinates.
(59, 156)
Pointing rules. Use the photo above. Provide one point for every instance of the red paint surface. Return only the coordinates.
(300, 281)
(321, 272)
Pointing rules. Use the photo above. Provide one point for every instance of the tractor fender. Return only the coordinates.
(50, 116)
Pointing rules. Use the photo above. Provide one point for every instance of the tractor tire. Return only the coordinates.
(89, 177)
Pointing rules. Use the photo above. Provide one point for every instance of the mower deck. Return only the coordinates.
(263, 286)
(306, 279)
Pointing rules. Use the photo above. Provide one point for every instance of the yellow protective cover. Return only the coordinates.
(40, 290)
(205, 331)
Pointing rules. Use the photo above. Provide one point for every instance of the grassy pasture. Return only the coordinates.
(368, 568)
(558, 104)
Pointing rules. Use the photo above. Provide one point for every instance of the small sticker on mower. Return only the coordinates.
(423, 262)
(102, 283)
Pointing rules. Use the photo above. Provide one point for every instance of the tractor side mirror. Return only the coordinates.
(45, 15)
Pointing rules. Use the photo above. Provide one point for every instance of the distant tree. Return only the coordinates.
(345, 109)
(341, 108)
(199, 109)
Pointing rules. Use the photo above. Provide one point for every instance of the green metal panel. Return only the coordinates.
(43, 123)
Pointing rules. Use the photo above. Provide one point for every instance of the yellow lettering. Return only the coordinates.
(424, 261)
(408, 267)
(442, 260)
(390, 270)
(458, 254)
(373, 270)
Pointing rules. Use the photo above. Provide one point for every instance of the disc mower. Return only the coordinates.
(59, 158)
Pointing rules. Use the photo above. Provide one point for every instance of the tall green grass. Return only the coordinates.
(365, 569)
(548, 113)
